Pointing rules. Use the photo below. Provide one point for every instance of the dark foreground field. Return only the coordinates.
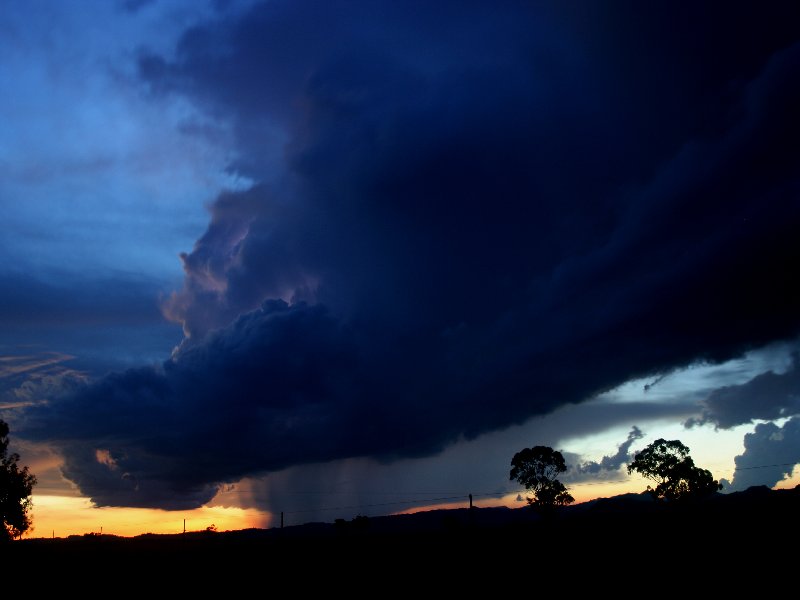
(627, 540)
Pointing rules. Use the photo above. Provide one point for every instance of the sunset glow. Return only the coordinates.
(61, 516)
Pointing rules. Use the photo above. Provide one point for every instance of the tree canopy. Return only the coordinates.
(669, 465)
(16, 486)
(537, 468)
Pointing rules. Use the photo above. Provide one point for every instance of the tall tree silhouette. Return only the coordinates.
(16, 486)
(668, 464)
(537, 468)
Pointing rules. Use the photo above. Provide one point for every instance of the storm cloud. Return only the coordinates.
(770, 454)
(767, 396)
(462, 216)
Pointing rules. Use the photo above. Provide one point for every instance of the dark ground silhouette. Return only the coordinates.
(629, 538)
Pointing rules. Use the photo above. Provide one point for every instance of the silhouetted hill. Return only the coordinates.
(629, 535)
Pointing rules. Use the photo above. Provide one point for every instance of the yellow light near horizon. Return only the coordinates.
(791, 481)
(607, 489)
(581, 493)
(69, 515)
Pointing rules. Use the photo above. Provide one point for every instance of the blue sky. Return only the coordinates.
(102, 185)
(393, 235)
(86, 155)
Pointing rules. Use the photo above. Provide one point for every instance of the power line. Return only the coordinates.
(791, 464)
(459, 497)
(454, 495)
(378, 504)
(338, 492)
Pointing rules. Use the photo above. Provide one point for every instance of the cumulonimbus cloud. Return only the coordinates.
(472, 219)
(771, 453)
(767, 396)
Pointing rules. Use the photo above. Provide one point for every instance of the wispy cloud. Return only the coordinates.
(29, 379)
(12, 365)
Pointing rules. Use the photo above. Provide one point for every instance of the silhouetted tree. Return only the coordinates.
(537, 468)
(668, 464)
(360, 523)
(15, 490)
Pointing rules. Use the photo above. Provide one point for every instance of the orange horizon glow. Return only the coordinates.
(789, 482)
(62, 516)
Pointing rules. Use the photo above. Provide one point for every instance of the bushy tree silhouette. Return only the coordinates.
(537, 468)
(668, 464)
(15, 490)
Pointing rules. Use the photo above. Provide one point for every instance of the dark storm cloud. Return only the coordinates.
(770, 453)
(479, 214)
(767, 396)
(279, 380)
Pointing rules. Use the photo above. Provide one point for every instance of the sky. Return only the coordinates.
(339, 258)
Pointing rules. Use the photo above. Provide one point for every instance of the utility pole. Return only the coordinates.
(281, 519)
(470, 500)
(184, 526)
